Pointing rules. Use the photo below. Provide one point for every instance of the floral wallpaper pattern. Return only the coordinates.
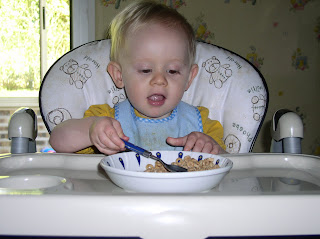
(116, 3)
(299, 61)
(298, 4)
(281, 38)
(201, 29)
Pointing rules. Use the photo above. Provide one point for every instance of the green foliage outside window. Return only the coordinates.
(20, 41)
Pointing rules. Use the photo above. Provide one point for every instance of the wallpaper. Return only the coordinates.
(280, 37)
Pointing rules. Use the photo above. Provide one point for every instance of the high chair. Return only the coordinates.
(231, 88)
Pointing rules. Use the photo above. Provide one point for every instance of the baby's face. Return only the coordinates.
(156, 69)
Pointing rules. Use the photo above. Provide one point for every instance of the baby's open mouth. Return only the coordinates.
(156, 99)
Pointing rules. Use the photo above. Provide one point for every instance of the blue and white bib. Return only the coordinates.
(151, 134)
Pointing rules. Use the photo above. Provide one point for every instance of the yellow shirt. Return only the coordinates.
(213, 128)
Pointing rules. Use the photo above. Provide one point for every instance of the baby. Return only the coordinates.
(152, 58)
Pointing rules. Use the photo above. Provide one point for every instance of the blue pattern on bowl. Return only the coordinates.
(138, 158)
(121, 161)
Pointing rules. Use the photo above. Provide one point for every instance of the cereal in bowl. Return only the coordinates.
(187, 162)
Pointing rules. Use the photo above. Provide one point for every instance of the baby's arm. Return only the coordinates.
(76, 134)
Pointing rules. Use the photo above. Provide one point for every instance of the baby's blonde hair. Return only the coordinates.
(144, 12)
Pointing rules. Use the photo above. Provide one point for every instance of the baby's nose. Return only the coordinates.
(159, 79)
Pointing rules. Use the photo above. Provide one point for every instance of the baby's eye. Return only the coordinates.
(145, 71)
(173, 72)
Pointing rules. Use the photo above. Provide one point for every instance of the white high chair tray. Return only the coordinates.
(264, 194)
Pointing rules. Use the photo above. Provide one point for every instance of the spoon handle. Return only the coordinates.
(137, 149)
(148, 154)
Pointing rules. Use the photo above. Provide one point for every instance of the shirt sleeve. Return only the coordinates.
(99, 110)
(96, 110)
(213, 128)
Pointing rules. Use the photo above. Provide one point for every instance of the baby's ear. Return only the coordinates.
(193, 73)
(114, 69)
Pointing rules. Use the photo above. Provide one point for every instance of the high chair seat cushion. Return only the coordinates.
(228, 85)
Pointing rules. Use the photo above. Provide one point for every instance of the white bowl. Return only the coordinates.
(126, 170)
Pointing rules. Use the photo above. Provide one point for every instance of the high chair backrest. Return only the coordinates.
(228, 85)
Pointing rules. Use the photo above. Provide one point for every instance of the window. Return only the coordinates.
(34, 34)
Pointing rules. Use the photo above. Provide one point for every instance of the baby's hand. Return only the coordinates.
(106, 133)
(197, 142)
